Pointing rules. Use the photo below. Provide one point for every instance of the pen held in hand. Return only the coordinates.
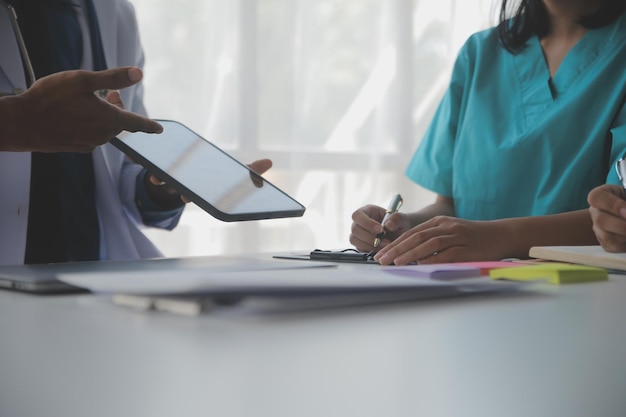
(394, 206)
(620, 167)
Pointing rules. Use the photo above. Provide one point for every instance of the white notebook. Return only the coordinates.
(585, 255)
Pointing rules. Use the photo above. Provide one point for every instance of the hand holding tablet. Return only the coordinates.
(208, 176)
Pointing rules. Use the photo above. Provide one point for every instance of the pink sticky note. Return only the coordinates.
(486, 266)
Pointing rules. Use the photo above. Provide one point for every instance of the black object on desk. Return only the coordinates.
(346, 255)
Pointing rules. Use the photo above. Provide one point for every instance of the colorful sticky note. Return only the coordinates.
(486, 266)
(436, 271)
(553, 273)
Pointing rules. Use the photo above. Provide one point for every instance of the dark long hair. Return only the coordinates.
(531, 19)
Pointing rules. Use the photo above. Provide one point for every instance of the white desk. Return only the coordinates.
(561, 354)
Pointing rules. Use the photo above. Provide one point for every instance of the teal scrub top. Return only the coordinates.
(509, 141)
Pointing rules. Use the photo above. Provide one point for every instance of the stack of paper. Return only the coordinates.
(191, 291)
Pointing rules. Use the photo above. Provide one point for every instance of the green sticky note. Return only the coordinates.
(552, 272)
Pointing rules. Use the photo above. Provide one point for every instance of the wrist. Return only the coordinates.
(166, 198)
(510, 238)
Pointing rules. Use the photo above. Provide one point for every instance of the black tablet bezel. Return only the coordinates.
(136, 156)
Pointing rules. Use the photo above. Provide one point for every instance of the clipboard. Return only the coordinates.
(343, 255)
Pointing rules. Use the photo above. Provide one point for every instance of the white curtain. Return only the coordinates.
(336, 92)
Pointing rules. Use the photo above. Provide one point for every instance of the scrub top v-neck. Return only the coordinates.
(508, 140)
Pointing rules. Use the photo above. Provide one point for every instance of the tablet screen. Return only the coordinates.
(208, 176)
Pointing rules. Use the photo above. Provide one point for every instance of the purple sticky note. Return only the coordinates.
(436, 271)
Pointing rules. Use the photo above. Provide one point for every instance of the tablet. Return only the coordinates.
(215, 181)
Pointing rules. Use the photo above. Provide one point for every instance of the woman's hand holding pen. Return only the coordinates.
(431, 235)
(366, 225)
(445, 239)
(608, 212)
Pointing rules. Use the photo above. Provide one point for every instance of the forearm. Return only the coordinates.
(564, 229)
(442, 206)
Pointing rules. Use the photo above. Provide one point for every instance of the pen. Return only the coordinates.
(620, 167)
(21, 45)
(393, 207)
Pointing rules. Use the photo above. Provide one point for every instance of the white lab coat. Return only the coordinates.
(119, 218)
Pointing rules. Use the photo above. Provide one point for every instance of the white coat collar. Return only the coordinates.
(13, 68)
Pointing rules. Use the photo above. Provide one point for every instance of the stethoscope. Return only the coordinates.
(30, 73)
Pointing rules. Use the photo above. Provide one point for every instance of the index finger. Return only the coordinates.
(110, 79)
(364, 218)
(133, 122)
(607, 198)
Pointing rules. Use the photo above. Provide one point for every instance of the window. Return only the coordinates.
(336, 92)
